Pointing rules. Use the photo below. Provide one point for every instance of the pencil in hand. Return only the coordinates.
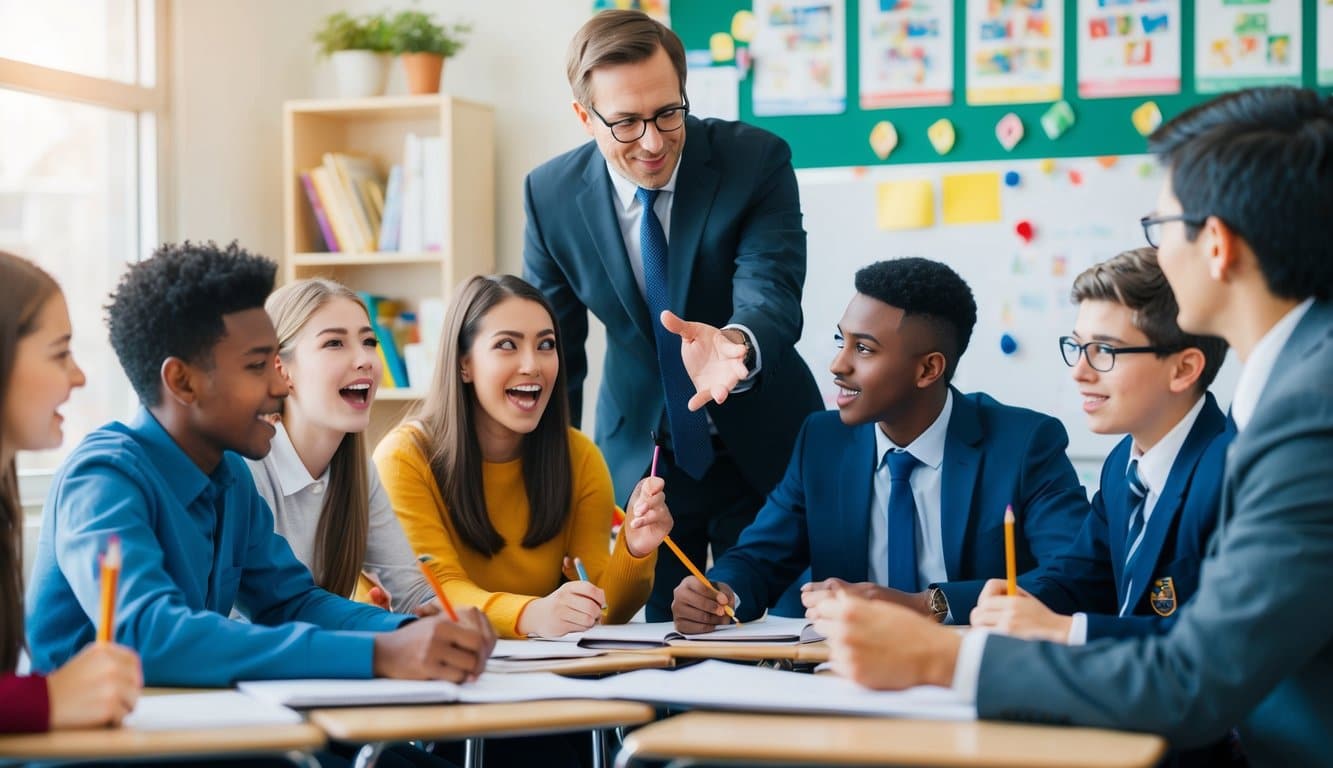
(696, 573)
(1010, 558)
(423, 562)
(110, 578)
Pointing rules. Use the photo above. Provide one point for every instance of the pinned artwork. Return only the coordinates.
(1146, 117)
(1009, 131)
(722, 47)
(742, 26)
(942, 135)
(906, 204)
(1057, 120)
(883, 139)
(970, 198)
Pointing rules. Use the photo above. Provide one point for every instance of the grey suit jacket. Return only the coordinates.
(1254, 648)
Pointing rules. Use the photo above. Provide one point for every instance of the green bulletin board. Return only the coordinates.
(1103, 125)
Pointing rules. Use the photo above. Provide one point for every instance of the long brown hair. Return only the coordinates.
(344, 519)
(24, 291)
(450, 426)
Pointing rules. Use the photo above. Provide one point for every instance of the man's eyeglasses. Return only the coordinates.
(1101, 356)
(1152, 225)
(631, 129)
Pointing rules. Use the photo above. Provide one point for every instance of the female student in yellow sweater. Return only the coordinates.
(490, 480)
(101, 684)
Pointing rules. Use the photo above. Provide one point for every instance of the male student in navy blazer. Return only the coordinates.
(929, 537)
(1136, 561)
(722, 246)
(1241, 228)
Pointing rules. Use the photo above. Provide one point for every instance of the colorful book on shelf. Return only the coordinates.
(335, 208)
(409, 220)
(391, 355)
(393, 211)
(346, 171)
(432, 193)
(321, 216)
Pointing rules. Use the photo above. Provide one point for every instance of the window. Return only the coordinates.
(81, 100)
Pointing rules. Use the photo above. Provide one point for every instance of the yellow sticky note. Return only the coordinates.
(722, 47)
(971, 198)
(908, 204)
(742, 26)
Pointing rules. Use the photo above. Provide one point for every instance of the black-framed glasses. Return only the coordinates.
(631, 129)
(1100, 355)
(1152, 225)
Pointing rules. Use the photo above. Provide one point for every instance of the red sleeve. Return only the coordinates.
(24, 707)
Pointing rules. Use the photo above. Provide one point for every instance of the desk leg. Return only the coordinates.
(473, 752)
(302, 759)
(368, 755)
(598, 748)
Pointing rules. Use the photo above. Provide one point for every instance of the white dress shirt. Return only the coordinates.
(927, 448)
(1253, 379)
(297, 500)
(1154, 469)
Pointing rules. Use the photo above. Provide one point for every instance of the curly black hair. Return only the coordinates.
(929, 291)
(171, 305)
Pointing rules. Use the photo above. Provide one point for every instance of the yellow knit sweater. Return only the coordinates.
(503, 585)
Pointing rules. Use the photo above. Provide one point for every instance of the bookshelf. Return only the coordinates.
(377, 128)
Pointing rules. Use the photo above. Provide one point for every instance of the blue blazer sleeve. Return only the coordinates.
(1082, 579)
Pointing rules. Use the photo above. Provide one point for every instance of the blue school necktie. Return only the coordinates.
(690, 442)
(902, 521)
(1138, 494)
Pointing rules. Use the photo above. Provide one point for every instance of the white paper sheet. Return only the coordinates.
(223, 709)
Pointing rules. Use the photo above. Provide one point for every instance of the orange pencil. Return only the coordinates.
(423, 562)
(1010, 559)
(106, 627)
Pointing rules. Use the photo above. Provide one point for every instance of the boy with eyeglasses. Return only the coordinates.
(1136, 560)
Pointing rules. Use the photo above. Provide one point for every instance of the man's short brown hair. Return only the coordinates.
(1133, 279)
(619, 37)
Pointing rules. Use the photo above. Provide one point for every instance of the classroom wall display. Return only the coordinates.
(1020, 258)
(1015, 51)
(658, 9)
(800, 53)
(1128, 47)
(1324, 30)
(1245, 43)
(906, 53)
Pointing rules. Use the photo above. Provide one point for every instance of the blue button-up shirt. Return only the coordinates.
(194, 547)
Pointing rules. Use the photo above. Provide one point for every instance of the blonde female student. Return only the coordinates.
(326, 496)
(491, 481)
(101, 684)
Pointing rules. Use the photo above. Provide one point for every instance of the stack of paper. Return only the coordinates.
(223, 709)
(773, 630)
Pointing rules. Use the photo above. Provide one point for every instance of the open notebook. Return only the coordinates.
(492, 687)
(214, 709)
(773, 630)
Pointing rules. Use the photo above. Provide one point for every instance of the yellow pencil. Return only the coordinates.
(106, 628)
(423, 562)
(699, 575)
(1010, 559)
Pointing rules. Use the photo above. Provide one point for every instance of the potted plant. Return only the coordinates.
(423, 46)
(358, 47)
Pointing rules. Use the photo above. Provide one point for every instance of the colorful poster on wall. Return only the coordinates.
(1128, 47)
(800, 57)
(1015, 51)
(906, 53)
(1324, 26)
(658, 9)
(1245, 43)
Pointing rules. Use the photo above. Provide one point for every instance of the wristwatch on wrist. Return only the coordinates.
(749, 348)
(937, 603)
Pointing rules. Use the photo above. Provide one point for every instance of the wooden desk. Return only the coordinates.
(797, 739)
(382, 725)
(736, 651)
(294, 741)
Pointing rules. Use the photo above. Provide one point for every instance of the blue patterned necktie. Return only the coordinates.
(1138, 494)
(690, 442)
(902, 521)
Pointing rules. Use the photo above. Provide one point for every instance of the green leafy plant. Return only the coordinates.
(417, 32)
(344, 32)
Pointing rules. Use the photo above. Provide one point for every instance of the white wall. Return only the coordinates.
(236, 61)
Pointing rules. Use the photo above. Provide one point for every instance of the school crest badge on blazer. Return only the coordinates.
(1163, 596)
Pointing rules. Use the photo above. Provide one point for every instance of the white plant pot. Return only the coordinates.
(359, 74)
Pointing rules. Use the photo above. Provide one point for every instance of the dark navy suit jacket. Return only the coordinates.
(1091, 576)
(819, 514)
(737, 255)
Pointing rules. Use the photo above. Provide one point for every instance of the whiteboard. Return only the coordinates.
(1021, 289)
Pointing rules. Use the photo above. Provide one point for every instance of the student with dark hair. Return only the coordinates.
(1136, 561)
(492, 482)
(1241, 229)
(189, 327)
(900, 495)
(101, 682)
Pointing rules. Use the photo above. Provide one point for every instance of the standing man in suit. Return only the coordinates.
(1242, 231)
(661, 217)
(903, 489)
(1136, 561)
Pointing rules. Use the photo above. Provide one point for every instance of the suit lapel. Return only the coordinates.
(1115, 497)
(595, 202)
(696, 185)
(958, 478)
(858, 468)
